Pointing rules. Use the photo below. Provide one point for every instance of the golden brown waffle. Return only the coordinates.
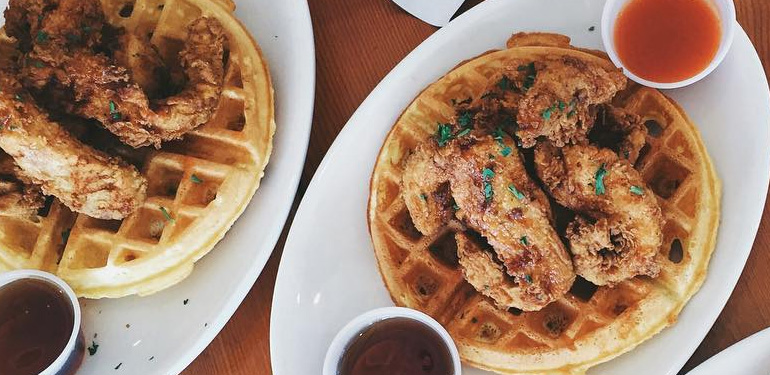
(590, 324)
(203, 183)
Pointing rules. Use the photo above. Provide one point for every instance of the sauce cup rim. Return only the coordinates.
(726, 13)
(58, 364)
(343, 338)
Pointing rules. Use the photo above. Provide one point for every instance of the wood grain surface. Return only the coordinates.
(357, 43)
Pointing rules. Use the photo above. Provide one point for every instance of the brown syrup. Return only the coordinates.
(396, 346)
(36, 321)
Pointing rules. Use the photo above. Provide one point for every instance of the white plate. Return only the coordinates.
(130, 331)
(748, 357)
(329, 274)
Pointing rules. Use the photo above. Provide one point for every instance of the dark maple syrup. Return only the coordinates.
(36, 322)
(667, 40)
(396, 346)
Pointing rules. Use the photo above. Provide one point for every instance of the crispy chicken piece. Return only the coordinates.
(619, 130)
(621, 232)
(485, 272)
(560, 104)
(84, 179)
(68, 59)
(138, 55)
(18, 196)
(426, 190)
(497, 199)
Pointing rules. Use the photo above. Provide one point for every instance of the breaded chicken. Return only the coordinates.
(619, 130)
(619, 228)
(426, 190)
(497, 199)
(84, 179)
(485, 273)
(560, 104)
(18, 196)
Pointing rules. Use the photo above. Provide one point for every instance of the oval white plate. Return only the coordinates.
(161, 334)
(328, 273)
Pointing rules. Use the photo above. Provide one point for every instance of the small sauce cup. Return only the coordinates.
(367, 322)
(725, 10)
(31, 289)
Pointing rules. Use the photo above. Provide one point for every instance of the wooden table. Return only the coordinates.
(357, 43)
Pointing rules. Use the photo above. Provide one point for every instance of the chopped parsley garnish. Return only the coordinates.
(42, 36)
(443, 134)
(524, 241)
(547, 114)
(93, 348)
(487, 175)
(116, 116)
(516, 193)
(18, 98)
(600, 173)
(424, 197)
(195, 179)
(529, 79)
(636, 190)
(186, 301)
(498, 135)
(465, 119)
(506, 151)
(35, 63)
(455, 206)
(528, 278)
(118, 366)
(562, 105)
(506, 84)
(86, 29)
(463, 132)
(166, 214)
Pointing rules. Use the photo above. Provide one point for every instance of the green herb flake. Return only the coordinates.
(547, 114)
(465, 119)
(424, 197)
(18, 98)
(487, 175)
(562, 105)
(528, 278)
(463, 133)
(529, 80)
(443, 134)
(524, 241)
(516, 193)
(42, 36)
(455, 206)
(65, 235)
(636, 190)
(195, 179)
(600, 174)
(506, 84)
(93, 348)
(506, 151)
(116, 116)
(166, 214)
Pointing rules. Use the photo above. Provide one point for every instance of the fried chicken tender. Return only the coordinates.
(619, 130)
(485, 272)
(68, 59)
(18, 196)
(85, 180)
(497, 199)
(426, 190)
(621, 230)
(560, 104)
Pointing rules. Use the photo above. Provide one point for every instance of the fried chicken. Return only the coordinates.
(426, 190)
(619, 130)
(18, 196)
(560, 104)
(619, 228)
(84, 179)
(497, 199)
(67, 59)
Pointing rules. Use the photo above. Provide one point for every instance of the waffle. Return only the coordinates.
(198, 187)
(590, 324)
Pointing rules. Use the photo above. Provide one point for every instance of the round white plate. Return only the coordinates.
(329, 274)
(162, 333)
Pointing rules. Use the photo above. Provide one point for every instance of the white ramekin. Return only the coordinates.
(358, 324)
(726, 13)
(69, 359)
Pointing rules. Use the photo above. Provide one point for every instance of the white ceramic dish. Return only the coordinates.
(750, 356)
(726, 11)
(361, 322)
(161, 334)
(328, 273)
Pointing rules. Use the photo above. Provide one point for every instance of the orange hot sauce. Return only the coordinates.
(667, 40)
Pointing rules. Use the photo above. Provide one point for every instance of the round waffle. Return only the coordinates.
(590, 324)
(198, 187)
